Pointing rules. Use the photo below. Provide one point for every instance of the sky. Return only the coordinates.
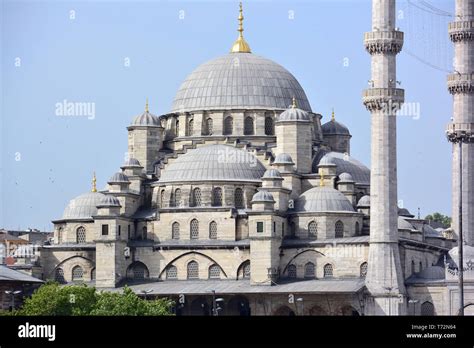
(114, 54)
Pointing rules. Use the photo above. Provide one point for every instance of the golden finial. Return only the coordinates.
(321, 179)
(333, 117)
(94, 182)
(240, 45)
(146, 105)
(293, 103)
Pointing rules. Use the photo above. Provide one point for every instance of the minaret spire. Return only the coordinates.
(146, 105)
(384, 279)
(333, 117)
(94, 183)
(240, 45)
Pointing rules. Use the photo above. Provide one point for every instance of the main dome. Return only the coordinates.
(239, 81)
(214, 163)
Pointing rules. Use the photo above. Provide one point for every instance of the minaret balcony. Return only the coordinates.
(457, 132)
(383, 42)
(461, 83)
(461, 31)
(387, 99)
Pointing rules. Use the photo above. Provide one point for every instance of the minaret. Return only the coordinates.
(461, 86)
(384, 276)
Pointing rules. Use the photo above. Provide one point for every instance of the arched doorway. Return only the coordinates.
(284, 311)
(238, 306)
(317, 311)
(199, 307)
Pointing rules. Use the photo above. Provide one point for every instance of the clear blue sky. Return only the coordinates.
(47, 160)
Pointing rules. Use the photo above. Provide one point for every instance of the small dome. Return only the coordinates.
(334, 128)
(404, 212)
(214, 163)
(404, 224)
(146, 119)
(364, 201)
(263, 196)
(109, 201)
(118, 178)
(293, 114)
(344, 163)
(132, 162)
(429, 231)
(322, 199)
(83, 206)
(326, 161)
(272, 174)
(345, 177)
(283, 158)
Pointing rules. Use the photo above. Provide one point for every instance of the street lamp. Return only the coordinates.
(145, 292)
(215, 303)
(460, 135)
(13, 294)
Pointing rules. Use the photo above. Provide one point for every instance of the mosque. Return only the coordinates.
(242, 201)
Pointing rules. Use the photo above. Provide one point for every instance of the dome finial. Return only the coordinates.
(146, 105)
(240, 45)
(94, 182)
(333, 117)
(293, 103)
(321, 179)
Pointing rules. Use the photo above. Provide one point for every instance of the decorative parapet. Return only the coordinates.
(461, 83)
(383, 42)
(461, 31)
(387, 99)
(463, 132)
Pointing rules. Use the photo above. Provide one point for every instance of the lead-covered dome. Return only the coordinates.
(214, 163)
(239, 81)
(83, 206)
(344, 163)
(322, 199)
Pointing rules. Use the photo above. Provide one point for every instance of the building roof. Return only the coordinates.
(214, 163)
(263, 196)
(119, 178)
(322, 199)
(334, 128)
(10, 275)
(8, 237)
(146, 119)
(239, 81)
(364, 201)
(109, 201)
(283, 158)
(293, 114)
(404, 224)
(344, 163)
(204, 287)
(83, 206)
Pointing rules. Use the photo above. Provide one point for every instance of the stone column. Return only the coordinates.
(384, 277)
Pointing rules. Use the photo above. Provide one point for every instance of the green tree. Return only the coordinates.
(438, 217)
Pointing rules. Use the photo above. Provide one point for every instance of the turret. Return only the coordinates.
(337, 136)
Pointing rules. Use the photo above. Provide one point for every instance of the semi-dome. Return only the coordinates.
(83, 206)
(109, 201)
(345, 177)
(118, 178)
(344, 163)
(272, 174)
(239, 81)
(293, 114)
(322, 199)
(283, 158)
(263, 196)
(131, 162)
(214, 163)
(364, 201)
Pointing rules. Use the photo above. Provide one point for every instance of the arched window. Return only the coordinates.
(328, 271)
(137, 270)
(291, 271)
(59, 275)
(269, 127)
(172, 272)
(144, 233)
(413, 267)
(193, 270)
(228, 125)
(313, 229)
(357, 228)
(309, 270)
(162, 199)
(191, 127)
(213, 230)
(177, 197)
(177, 128)
(248, 126)
(93, 274)
(77, 273)
(363, 270)
(339, 229)
(194, 226)
(60, 235)
(175, 230)
(421, 267)
(196, 197)
(427, 308)
(217, 197)
(209, 126)
(81, 235)
(239, 198)
(214, 272)
(247, 270)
